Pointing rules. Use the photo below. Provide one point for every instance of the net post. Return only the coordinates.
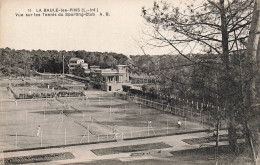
(44, 115)
(41, 138)
(6, 122)
(167, 127)
(62, 115)
(26, 117)
(88, 134)
(16, 140)
(140, 109)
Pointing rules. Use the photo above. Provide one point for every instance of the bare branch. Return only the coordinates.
(214, 4)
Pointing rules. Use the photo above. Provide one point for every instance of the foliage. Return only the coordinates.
(126, 88)
(52, 60)
(219, 29)
(79, 71)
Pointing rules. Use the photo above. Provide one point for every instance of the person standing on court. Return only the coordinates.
(38, 130)
(179, 124)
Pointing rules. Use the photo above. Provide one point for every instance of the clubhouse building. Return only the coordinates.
(111, 80)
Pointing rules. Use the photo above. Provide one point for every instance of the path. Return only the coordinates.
(83, 153)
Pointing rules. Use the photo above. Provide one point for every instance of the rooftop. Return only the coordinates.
(73, 59)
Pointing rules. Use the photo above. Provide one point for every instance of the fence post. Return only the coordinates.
(185, 123)
(148, 128)
(46, 104)
(191, 113)
(148, 104)
(202, 120)
(65, 137)
(200, 116)
(110, 112)
(167, 126)
(162, 105)
(125, 110)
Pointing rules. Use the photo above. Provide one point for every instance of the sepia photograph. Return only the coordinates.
(130, 82)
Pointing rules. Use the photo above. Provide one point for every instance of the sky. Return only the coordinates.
(120, 32)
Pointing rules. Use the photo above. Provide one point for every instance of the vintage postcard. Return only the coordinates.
(129, 82)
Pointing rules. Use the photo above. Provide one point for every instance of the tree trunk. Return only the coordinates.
(225, 48)
(249, 141)
(251, 75)
(232, 135)
(227, 75)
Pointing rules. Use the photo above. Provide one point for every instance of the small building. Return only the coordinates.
(85, 67)
(108, 79)
(113, 79)
(73, 62)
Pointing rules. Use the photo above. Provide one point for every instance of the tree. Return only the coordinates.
(219, 28)
(250, 99)
(52, 61)
(79, 71)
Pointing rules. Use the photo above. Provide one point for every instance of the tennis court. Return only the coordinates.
(94, 117)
